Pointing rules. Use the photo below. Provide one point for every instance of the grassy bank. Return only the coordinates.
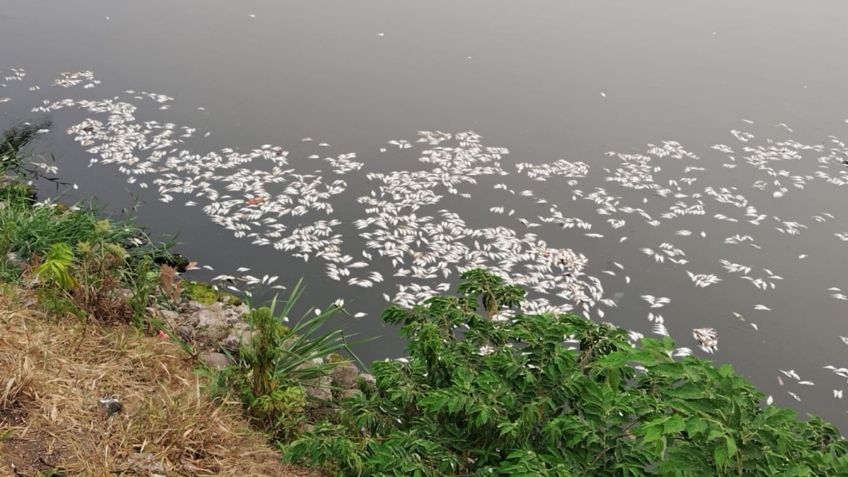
(91, 383)
(55, 371)
(485, 390)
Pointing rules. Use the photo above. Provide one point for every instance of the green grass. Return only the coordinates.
(28, 229)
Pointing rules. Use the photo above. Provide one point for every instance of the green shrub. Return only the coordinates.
(277, 363)
(85, 265)
(56, 267)
(556, 395)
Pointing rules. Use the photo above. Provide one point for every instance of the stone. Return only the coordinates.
(185, 332)
(349, 393)
(109, 407)
(210, 317)
(13, 260)
(169, 315)
(345, 375)
(236, 338)
(368, 379)
(240, 309)
(145, 463)
(214, 360)
(320, 389)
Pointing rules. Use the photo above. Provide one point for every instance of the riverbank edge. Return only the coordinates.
(90, 395)
(218, 331)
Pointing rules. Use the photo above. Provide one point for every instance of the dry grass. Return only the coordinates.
(52, 375)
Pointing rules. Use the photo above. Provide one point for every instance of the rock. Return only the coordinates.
(219, 315)
(185, 332)
(13, 260)
(170, 316)
(367, 379)
(241, 309)
(345, 375)
(214, 360)
(124, 293)
(109, 407)
(211, 316)
(349, 393)
(237, 338)
(145, 463)
(320, 389)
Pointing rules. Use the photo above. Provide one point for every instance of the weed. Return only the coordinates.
(274, 367)
(169, 284)
(55, 269)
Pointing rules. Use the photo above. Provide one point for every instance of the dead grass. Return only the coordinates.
(52, 375)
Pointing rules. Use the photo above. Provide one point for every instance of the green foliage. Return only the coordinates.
(201, 292)
(277, 363)
(207, 294)
(555, 395)
(17, 194)
(86, 265)
(142, 278)
(30, 231)
(55, 269)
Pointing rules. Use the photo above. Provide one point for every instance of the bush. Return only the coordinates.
(84, 265)
(277, 363)
(556, 395)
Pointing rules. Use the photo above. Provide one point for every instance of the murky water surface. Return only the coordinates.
(672, 167)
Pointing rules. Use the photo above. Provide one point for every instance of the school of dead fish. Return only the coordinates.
(409, 223)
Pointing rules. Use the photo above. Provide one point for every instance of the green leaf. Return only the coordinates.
(674, 425)
(720, 456)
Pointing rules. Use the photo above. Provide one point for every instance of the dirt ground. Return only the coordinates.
(53, 376)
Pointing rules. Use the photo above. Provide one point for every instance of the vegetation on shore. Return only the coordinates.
(488, 390)
(53, 373)
(89, 382)
(485, 390)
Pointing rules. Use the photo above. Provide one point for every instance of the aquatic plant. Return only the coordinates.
(557, 395)
(12, 143)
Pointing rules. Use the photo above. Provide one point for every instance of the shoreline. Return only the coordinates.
(456, 396)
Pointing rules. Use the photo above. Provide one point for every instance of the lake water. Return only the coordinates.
(666, 166)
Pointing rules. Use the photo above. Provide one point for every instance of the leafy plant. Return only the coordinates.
(142, 278)
(555, 395)
(277, 363)
(55, 269)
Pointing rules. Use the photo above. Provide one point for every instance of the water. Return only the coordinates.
(547, 81)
